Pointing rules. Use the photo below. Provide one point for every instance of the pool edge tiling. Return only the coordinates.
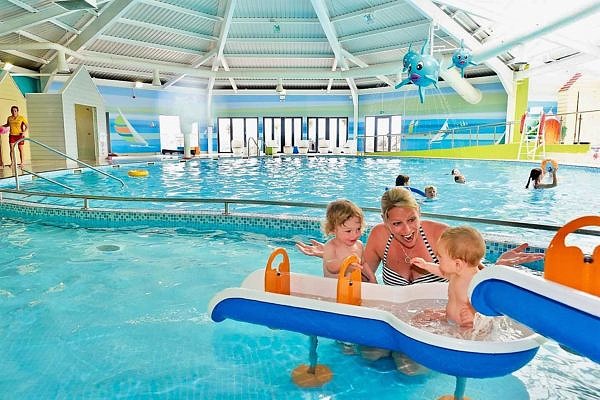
(283, 225)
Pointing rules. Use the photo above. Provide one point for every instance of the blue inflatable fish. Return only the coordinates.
(423, 70)
(461, 59)
(408, 58)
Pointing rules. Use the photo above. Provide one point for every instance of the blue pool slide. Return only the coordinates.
(312, 310)
(569, 316)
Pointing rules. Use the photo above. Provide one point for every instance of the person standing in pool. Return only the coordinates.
(537, 175)
(18, 126)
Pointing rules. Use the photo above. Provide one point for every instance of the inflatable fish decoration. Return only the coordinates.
(423, 70)
(410, 54)
(461, 59)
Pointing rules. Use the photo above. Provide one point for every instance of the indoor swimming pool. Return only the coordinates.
(97, 314)
(494, 190)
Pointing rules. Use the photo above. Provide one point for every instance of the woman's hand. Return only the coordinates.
(314, 249)
(518, 256)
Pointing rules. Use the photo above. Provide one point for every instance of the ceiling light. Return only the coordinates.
(7, 66)
(369, 18)
(276, 28)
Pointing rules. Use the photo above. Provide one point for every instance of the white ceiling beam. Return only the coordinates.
(29, 20)
(26, 56)
(220, 46)
(110, 13)
(195, 64)
(323, 15)
(333, 68)
(577, 45)
(140, 43)
(23, 5)
(367, 10)
(493, 48)
(385, 31)
(163, 28)
(182, 10)
(357, 61)
(64, 26)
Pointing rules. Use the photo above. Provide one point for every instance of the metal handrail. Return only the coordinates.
(256, 143)
(23, 139)
(227, 202)
(44, 178)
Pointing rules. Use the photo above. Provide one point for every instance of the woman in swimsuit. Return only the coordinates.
(403, 235)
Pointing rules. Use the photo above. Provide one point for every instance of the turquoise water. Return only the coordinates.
(494, 190)
(100, 314)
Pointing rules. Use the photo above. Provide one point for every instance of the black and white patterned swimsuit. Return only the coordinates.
(391, 277)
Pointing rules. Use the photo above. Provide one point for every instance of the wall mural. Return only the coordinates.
(134, 113)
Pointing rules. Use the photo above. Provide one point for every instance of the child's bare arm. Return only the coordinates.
(427, 266)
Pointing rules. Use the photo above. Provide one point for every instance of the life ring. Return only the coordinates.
(137, 173)
(549, 165)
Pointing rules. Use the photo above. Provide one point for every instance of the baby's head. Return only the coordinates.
(463, 243)
(402, 180)
(430, 192)
(340, 211)
(455, 171)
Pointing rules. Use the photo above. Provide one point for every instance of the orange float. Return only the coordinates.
(568, 265)
(348, 287)
(278, 280)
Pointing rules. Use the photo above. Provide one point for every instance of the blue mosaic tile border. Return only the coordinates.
(200, 220)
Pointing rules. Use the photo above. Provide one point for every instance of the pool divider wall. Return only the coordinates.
(285, 225)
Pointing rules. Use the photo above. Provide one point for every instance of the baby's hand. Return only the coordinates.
(314, 249)
(419, 262)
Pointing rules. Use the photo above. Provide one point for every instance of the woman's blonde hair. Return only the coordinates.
(397, 197)
(340, 211)
(464, 243)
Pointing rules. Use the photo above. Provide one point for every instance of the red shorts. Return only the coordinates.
(13, 138)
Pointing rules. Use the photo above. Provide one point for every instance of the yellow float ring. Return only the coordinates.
(138, 173)
(549, 165)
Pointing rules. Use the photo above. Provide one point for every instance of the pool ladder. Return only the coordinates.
(14, 164)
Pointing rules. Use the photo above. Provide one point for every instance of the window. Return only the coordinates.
(332, 129)
(282, 131)
(383, 133)
(244, 129)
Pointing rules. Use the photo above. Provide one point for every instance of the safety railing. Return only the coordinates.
(24, 139)
(463, 136)
(251, 139)
(226, 209)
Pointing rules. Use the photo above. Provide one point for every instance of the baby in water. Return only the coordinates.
(460, 251)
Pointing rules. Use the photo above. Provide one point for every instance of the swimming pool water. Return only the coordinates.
(122, 314)
(494, 189)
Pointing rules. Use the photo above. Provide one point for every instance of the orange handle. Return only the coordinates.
(278, 280)
(568, 265)
(348, 288)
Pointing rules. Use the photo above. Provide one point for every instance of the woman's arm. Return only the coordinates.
(518, 256)
(23, 127)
